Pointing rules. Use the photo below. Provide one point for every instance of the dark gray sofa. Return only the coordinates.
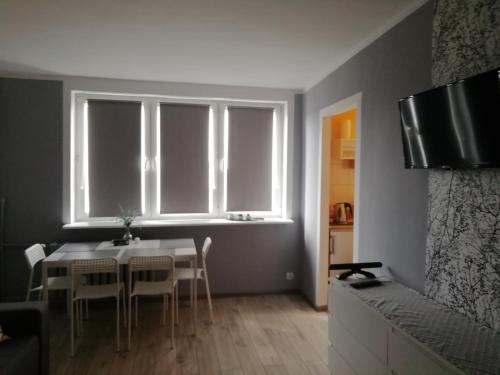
(27, 352)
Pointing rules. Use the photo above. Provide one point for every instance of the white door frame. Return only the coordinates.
(321, 279)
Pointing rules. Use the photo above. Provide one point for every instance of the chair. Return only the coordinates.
(80, 291)
(165, 287)
(35, 254)
(188, 274)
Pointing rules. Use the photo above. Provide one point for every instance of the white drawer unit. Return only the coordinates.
(361, 321)
(408, 357)
(365, 342)
(338, 366)
(360, 359)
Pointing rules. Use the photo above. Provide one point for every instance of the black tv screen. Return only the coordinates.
(453, 126)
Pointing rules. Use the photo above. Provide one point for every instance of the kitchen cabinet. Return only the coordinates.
(344, 149)
(340, 247)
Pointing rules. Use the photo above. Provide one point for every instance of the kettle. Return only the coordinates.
(343, 213)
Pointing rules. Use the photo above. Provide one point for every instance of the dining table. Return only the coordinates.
(182, 249)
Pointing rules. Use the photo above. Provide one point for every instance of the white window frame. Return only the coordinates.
(79, 149)
(155, 212)
(150, 156)
(278, 180)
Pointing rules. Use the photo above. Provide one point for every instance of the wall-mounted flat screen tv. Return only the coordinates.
(453, 126)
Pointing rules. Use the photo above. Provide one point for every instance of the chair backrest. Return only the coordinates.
(90, 266)
(81, 267)
(155, 263)
(34, 254)
(206, 247)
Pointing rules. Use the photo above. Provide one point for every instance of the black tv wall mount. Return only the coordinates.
(354, 268)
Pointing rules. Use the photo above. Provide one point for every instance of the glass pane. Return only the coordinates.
(184, 158)
(250, 144)
(114, 154)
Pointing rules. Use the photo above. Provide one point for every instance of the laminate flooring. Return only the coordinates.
(265, 335)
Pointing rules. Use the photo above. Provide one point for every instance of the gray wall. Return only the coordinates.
(30, 172)
(463, 243)
(393, 201)
(244, 259)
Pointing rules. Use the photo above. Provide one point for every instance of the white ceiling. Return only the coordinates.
(273, 43)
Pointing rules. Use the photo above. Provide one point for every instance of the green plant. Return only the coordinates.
(126, 217)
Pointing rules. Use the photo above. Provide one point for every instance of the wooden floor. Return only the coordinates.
(272, 334)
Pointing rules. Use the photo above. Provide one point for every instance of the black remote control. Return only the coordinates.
(365, 283)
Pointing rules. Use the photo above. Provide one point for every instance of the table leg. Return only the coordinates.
(45, 290)
(195, 295)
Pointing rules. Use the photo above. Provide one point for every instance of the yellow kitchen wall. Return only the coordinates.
(341, 171)
(337, 120)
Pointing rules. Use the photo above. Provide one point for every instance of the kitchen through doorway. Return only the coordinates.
(341, 183)
(339, 189)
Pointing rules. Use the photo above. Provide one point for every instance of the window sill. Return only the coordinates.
(175, 223)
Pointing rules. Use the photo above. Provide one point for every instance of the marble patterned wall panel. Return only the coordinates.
(466, 39)
(463, 241)
(463, 255)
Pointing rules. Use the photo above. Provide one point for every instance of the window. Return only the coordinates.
(183, 147)
(113, 149)
(249, 159)
(176, 158)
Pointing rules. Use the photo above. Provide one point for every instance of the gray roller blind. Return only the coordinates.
(114, 146)
(249, 175)
(184, 158)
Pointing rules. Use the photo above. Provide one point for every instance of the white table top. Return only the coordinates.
(180, 248)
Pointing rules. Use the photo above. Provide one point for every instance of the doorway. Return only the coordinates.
(339, 181)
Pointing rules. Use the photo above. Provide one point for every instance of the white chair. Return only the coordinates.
(80, 291)
(165, 288)
(35, 254)
(188, 274)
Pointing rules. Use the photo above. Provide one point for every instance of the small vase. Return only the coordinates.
(127, 236)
